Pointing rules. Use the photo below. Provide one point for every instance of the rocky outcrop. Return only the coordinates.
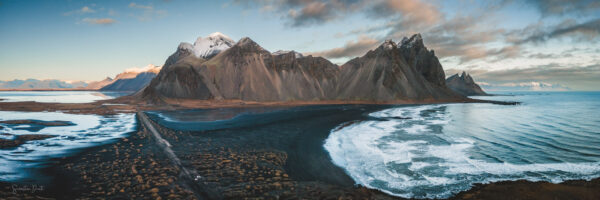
(464, 85)
(384, 74)
(248, 72)
(425, 62)
(178, 79)
(99, 84)
(130, 84)
(132, 79)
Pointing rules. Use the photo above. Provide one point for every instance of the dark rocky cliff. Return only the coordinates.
(248, 72)
(464, 85)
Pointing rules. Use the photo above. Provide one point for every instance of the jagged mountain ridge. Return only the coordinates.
(248, 72)
(464, 84)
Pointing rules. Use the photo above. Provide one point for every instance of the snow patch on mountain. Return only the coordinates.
(148, 68)
(281, 52)
(209, 46)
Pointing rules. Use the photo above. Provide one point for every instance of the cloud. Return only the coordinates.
(563, 7)
(413, 11)
(311, 13)
(139, 6)
(302, 13)
(524, 86)
(538, 33)
(351, 49)
(100, 21)
(565, 54)
(465, 37)
(146, 12)
(82, 10)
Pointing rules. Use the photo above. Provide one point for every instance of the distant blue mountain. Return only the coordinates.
(40, 84)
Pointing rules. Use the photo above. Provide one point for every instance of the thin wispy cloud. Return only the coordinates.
(563, 7)
(351, 49)
(98, 21)
(302, 13)
(139, 6)
(587, 31)
(82, 10)
(145, 12)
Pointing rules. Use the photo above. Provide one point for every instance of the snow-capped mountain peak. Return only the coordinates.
(218, 35)
(211, 45)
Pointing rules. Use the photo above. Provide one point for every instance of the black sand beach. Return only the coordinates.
(278, 155)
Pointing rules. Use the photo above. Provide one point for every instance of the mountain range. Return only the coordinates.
(132, 79)
(41, 84)
(223, 70)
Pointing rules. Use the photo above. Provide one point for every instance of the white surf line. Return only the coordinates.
(191, 177)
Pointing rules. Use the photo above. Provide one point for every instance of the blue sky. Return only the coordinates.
(499, 42)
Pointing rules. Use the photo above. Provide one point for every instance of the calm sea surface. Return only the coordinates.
(58, 96)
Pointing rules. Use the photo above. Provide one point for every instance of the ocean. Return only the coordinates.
(435, 151)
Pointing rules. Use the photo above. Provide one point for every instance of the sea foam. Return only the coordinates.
(402, 154)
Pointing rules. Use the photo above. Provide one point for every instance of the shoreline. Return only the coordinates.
(104, 170)
(130, 104)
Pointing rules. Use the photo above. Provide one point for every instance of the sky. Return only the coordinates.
(499, 42)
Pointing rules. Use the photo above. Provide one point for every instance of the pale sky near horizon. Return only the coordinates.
(499, 42)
